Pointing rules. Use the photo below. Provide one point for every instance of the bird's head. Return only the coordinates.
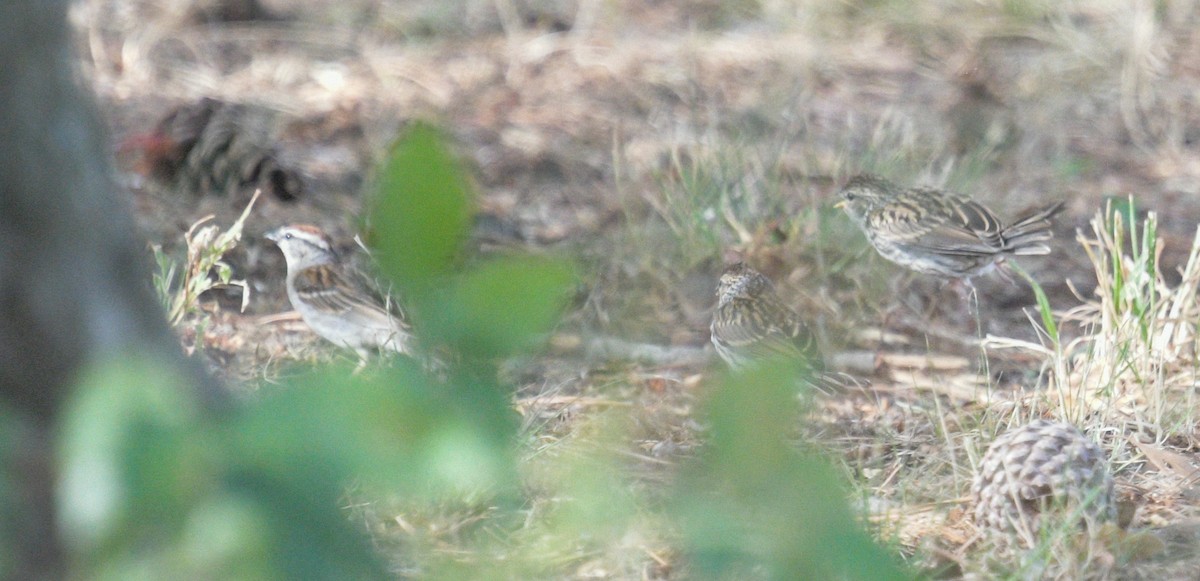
(303, 246)
(740, 281)
(864, 193)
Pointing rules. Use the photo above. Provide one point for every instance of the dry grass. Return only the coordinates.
(653, 140)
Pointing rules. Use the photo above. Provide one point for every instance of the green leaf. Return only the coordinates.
(395, 431)
(1123, 206)
(1043, 303)
(502, 306)
(752, 506)
(421, 211)
(306, 536)
(227, 537)
(344, 427)
(127, 437)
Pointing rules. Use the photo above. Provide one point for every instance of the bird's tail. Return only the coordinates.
(1026, 236)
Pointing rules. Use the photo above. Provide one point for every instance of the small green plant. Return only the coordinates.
(1141, 342)
(1049, 326)
(713, 196)
(179, 287)
(1137, 345)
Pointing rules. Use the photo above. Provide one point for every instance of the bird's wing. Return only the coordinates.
(763, 331)
(379, 291)
(922, 220)
(789, 328)
(330, 291)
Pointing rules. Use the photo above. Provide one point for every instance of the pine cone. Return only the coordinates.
(217, 147)
(1038, 467)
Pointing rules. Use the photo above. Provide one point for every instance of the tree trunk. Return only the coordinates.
(74, 277)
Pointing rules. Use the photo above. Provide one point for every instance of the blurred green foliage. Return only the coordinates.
(422, 213)
(754, 507)
(155, 487)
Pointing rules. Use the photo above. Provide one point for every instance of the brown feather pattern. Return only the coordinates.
(752, 323)
(939, 233)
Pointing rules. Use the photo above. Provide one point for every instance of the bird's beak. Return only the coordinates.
(273, 235)
(840, 205)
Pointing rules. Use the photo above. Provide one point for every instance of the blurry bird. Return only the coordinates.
(751, 322)
(935, 232)
(337, 303)
(216, 147)
(1036, 468)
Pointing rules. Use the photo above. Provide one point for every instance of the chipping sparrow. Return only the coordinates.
(332, 301)
(935, 232)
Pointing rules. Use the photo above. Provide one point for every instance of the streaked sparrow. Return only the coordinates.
(935, 232)
(752, 323)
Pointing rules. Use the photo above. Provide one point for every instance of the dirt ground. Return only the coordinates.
(650, 140)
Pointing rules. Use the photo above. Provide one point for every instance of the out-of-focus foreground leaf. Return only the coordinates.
(503, 306)
(399, 431)
(421, 212)
(488, 310)
(152, 489)
(753, 507)
(129, 437)
(419, 219)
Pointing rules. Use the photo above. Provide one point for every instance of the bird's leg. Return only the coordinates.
(968, 296)
(931, 309)
(1005, 272)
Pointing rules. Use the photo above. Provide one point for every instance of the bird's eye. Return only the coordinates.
(849, 197)
(287, 236)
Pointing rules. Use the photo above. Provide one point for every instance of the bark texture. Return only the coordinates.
(74, 278)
